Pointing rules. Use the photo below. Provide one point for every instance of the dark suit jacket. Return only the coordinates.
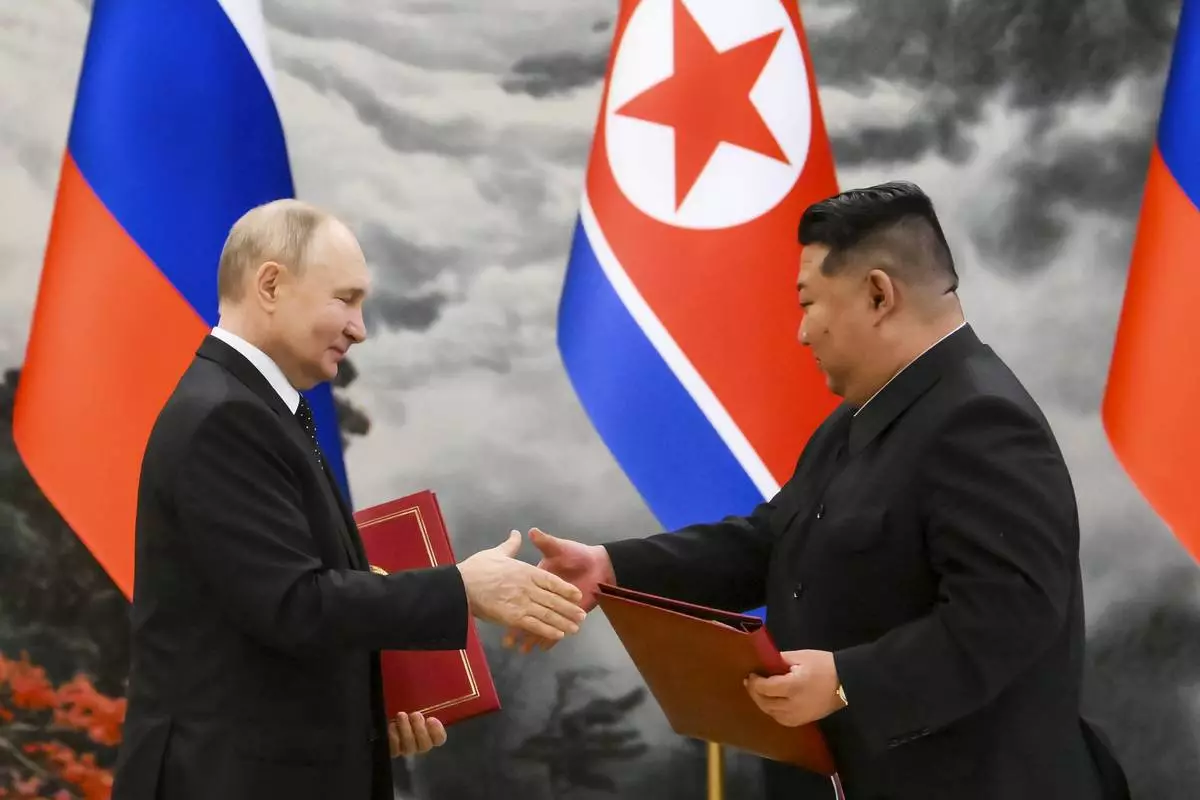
(932, 544)
(256, 624)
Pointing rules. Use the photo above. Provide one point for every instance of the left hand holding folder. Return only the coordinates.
(409, 734)
(808, 692)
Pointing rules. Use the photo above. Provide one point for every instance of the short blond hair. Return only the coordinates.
(280, 230)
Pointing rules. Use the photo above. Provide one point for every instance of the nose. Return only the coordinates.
(356, 328)
(802, 334)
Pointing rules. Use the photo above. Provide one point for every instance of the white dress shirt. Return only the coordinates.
(960, 326)
(269, 369)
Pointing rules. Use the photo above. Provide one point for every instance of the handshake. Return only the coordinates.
(541, 604)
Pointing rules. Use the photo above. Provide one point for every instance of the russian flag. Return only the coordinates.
(1152, 397)
(175, 134)
(678, 319)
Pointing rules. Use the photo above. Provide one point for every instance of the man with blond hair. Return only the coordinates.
(257, 622)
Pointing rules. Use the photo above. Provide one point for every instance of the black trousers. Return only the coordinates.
(785, 782)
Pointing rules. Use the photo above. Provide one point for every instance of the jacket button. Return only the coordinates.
(820, 510)
(798, 590)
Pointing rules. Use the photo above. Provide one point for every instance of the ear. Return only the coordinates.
(881, 291)
(268, 279)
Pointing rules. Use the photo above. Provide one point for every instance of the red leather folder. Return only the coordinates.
(451, 685)
(694, 659)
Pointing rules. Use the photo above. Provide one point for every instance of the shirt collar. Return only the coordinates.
(909, 364)
(264, 364)
(874, 416)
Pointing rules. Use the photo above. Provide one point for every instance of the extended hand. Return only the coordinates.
(584, 566)
(805, 694)
(409, 734)
(506, 591)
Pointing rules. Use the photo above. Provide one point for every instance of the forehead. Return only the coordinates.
(811, 258)
(334, 254)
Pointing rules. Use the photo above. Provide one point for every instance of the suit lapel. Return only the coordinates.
(358, 553)
(218, 351)
(333, 495)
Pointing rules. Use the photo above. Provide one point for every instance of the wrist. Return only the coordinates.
(839, 699)
(466, 587)
(606, 572)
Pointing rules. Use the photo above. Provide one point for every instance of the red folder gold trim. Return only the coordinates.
(452, 685)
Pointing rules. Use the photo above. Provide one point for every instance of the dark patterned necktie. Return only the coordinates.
(305, 417)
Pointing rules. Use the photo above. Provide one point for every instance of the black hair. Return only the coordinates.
(892, 225)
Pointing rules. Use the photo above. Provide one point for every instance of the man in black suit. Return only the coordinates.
(256, 620)
(921, 567)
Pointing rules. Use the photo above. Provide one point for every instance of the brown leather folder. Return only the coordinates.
(694, 659)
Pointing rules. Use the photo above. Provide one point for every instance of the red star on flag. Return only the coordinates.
(707, 100)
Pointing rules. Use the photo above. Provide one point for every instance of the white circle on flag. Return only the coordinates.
(736, 185)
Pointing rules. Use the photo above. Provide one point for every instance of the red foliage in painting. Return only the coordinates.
(35, 716)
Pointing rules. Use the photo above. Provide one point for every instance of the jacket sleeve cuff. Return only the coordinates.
(883, 717)
(623, 556)
(440, 599)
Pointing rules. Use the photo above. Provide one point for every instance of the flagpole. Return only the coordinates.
(716, 772)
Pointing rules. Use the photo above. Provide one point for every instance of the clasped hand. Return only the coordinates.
(582, 566)
(502, 590)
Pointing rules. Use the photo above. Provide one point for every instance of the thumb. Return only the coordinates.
(511, 545)
(544, 542)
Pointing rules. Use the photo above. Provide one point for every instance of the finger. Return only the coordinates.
(408, 743)
(549, 545)
(515, 637)
(559, 605)
(524, 641)
(531, 624)
(393, 739)
(774, 686)
(795, 657)
(421, 733)
(552, 583)
(771, 706)
(529, 642)
(437, 731)
(554, 619)
(511, 545)
(775, 705)
(754, 681)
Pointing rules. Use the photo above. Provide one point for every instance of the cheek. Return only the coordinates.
(329, 321)
(337, 321)
(816, 323)
(852, 333)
